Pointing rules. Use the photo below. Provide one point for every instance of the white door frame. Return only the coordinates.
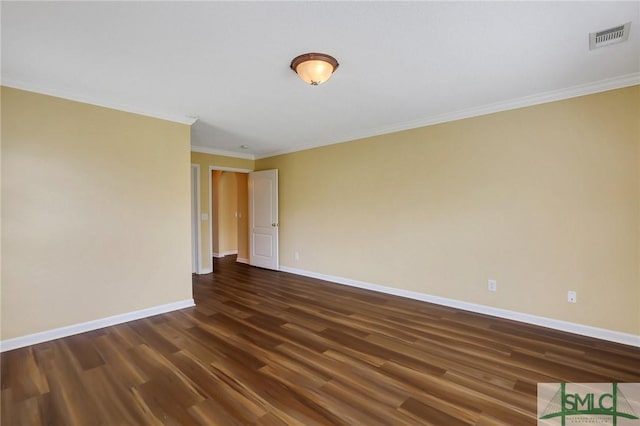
(210, 179)
(196, 252)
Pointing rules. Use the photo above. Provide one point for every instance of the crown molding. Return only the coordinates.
(540, 98)
(215, 151)
(73, 96)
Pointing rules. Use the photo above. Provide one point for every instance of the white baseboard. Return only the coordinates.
(584, 330)
(225, 253)
(242, 260)
(203, 271)
(57, 333)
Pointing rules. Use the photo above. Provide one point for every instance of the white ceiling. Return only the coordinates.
(402, 64)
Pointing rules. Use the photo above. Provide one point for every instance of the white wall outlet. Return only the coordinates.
(297, 255)
(572, 297)
(204, 216)
(492, 285)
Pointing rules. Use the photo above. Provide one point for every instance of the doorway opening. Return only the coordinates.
(252, 213)
(229, 215)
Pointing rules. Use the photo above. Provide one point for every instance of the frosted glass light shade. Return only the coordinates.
(314, 68)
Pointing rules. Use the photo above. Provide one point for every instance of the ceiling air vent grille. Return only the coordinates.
(611, 36)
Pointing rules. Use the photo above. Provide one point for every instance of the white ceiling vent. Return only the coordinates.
(611, 36)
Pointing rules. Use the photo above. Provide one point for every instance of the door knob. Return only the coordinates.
(274, 224)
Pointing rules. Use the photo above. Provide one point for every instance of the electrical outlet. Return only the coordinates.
(492, 285)
(572, 297)
(297, 255)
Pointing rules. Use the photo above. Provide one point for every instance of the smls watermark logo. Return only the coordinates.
(616, 404)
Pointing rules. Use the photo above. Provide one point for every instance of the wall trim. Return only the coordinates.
(506, 105)
(225, 153)
(203, 271)
(540, 98)
(583, 330)
(242, 260)
(91, 100)
(58, 333)
(229, 169)
(225, 253)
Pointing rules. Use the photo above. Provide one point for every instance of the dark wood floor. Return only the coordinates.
(271, 348)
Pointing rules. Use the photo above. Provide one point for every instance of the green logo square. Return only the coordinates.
(616, 404)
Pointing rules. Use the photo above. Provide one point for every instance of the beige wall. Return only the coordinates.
(95, 213)
(225, 207)
(215, 210)
(243, 216)
(543, 199)
(229, 208)
(206, 161)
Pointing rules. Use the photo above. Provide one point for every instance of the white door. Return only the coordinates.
(263, 219)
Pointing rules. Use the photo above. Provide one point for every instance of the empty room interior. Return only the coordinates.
(301, 213)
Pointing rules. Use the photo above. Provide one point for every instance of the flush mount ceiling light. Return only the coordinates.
(314, 68)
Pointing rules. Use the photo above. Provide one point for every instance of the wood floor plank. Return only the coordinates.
(22, 375)
(112, 398)
(227, 394)
(69, 402)
(270, 348)
(83, 350)
(434, 415)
